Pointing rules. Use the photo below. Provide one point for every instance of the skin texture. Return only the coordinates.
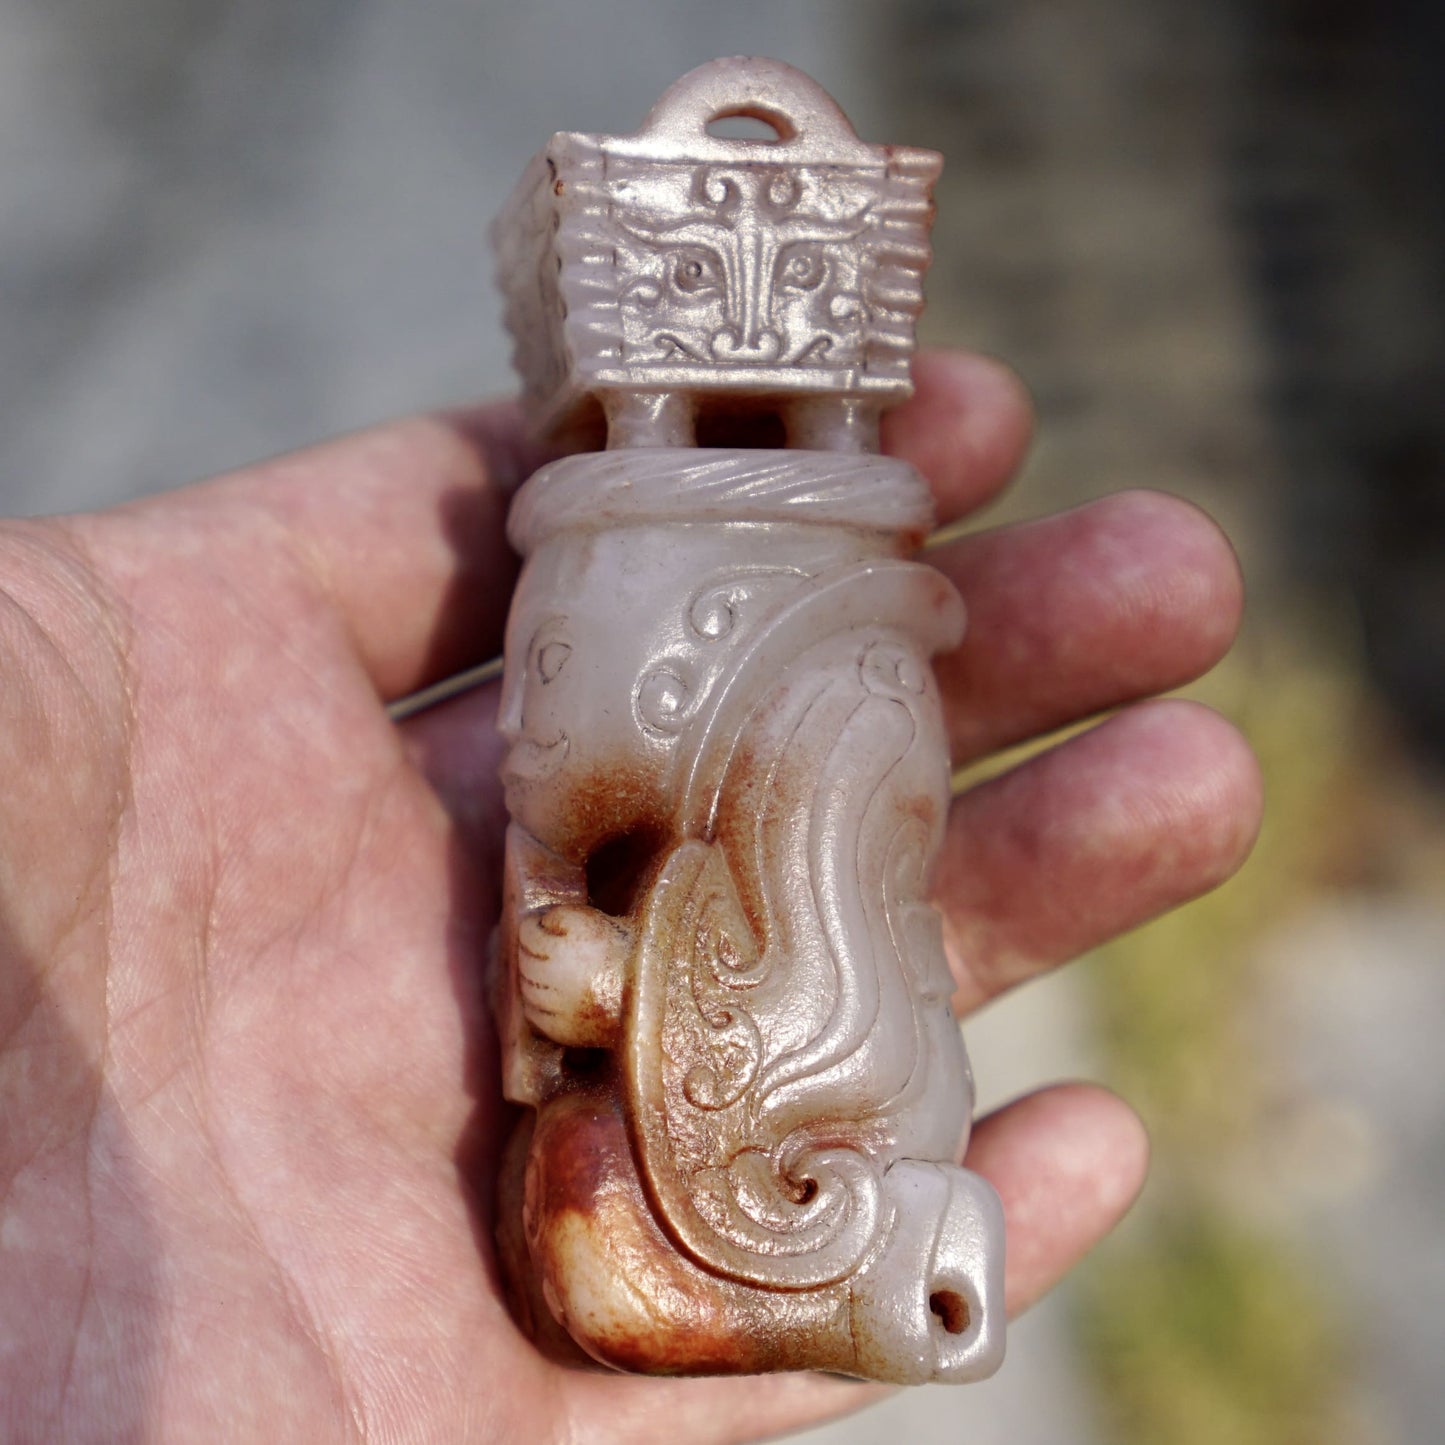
(246, 1078)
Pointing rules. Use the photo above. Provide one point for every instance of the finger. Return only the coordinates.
(966, 428)
(1112, 601)
(708, 1411)
(1067, 1163)
(401, 529)
(459, 751)
(1092, 838)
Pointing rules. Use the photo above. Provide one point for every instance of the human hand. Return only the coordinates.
(247, 1080)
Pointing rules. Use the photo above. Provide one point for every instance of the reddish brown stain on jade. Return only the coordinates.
(589, 1220)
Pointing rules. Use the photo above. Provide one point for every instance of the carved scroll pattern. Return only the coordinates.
(780, 969)
(669, 694)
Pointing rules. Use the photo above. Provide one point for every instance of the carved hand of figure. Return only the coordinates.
(570, 962)
(246, 1071)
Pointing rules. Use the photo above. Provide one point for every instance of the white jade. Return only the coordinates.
(721, 988)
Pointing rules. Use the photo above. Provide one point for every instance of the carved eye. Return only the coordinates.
(550, 657)
(784, 190)
(804, 270)
(694, 274)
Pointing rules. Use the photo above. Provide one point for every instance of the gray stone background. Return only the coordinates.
(1210, 238)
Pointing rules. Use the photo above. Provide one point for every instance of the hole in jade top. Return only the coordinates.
(746, 127)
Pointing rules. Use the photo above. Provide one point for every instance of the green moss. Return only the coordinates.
(1202, 1327)
(1203, 1333)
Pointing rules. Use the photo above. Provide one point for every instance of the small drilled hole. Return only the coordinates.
(581, 1063)
(745, 127)
(618, 869)
(951, 1309)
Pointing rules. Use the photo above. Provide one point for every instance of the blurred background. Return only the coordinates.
(1211, 237)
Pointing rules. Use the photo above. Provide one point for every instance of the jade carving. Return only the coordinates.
(720, 985)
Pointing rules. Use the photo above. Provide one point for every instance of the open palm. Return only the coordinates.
(246, 1077)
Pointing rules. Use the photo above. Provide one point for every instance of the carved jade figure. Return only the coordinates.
(721, 988)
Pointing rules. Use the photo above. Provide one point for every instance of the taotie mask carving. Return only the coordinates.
(719, 984)
(752, 271)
